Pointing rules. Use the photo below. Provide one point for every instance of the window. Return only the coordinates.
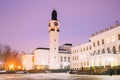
(84, 49)
(113, 38)
(77, 58)
(103, 51)
(108, 40)
(68, 59)
(87, 48)
(114, 50)
(94, 52)
(73, 58)
(102, 41)
(98, 43)
(119, 48)
(64, 59)
(87, 63)
(118, 36)
(81, 50)
(52, 29)
(108, 49)
(98, 51)
(93, 44)
(61, 59)
(90, 47)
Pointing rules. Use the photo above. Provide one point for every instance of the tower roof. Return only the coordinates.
(54, 15)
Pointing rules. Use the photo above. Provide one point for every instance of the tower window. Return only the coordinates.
(52, 29)
(58, 30)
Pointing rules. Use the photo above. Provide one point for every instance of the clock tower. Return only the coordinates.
(54, 26)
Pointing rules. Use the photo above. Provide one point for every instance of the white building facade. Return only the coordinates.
(102, 50)
(54, 57)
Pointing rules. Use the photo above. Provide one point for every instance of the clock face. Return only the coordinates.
(56, 23)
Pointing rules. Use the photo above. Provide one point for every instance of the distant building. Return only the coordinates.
(27, 61)
(42, 58)
(102, 50)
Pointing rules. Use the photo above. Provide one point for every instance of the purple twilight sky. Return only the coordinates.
(24, 23)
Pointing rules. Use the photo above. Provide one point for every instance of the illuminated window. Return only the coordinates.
(113, 38)
(102, 41)
(114, 49)
(108, 40)
(118, 36)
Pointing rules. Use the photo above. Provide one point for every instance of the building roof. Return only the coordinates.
(68, 44)
(43, 48)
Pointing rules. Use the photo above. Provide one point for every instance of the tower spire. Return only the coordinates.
(54, 15)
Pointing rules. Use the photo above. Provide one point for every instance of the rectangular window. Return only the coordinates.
(68, 59)
(93, 44)
(90, 47)
(119, 48)
(98, 43)
(64, 59)
(108, 49)
(118, 36)
(61, 59)
(102, 41)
